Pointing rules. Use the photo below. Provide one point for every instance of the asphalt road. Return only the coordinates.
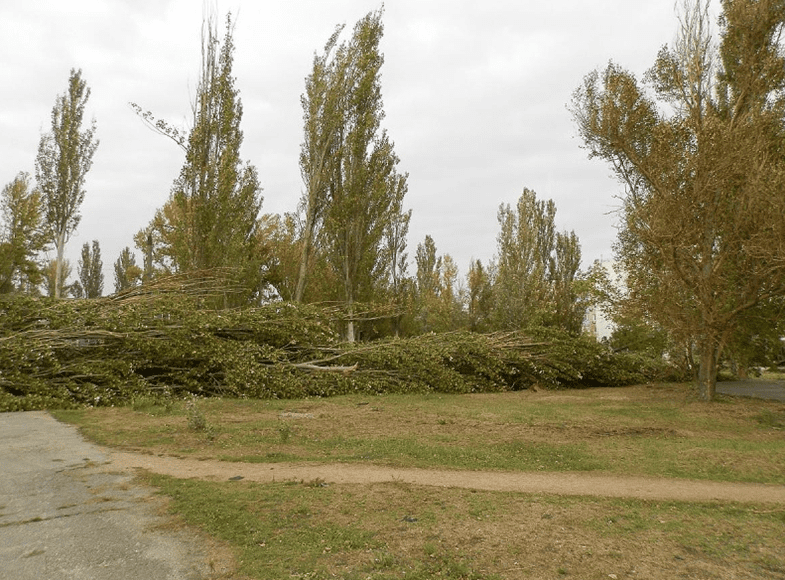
(65, 515)
(757, 388)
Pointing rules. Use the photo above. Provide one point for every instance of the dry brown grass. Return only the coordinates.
(646, 430)
(386, 530)
(317, 529)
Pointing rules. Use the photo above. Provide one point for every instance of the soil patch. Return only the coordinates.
(556, 483)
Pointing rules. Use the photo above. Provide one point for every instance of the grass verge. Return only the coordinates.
(395, 530)
(660, 431)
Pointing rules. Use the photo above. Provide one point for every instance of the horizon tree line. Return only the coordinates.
(357, 246)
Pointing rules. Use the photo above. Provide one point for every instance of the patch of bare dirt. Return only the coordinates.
(585, 484)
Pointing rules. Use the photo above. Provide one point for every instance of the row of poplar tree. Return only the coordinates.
(346, 243)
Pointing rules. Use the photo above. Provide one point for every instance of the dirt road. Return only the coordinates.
(524, 482)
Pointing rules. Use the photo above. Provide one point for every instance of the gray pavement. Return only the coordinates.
(758, 388)
(65, 515)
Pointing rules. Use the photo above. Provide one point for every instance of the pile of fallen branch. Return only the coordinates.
(169, 339)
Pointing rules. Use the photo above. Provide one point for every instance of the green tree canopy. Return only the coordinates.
(698, 149)
(22, 236)
(65, 155)
(212, 215)
(480, 296)
(427, 283)
(126, 273)
(536, 269)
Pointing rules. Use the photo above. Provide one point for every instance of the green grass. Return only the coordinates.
(299, 530)
(302, 530)
(647, 431)
(381, 531)
(700, 458)
(509, 456)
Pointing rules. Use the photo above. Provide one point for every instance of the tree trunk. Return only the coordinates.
(350, 324)
(59, 263)
(707, 373)
(148, 259)
(304, 257)
(349, 292)
(306, 253)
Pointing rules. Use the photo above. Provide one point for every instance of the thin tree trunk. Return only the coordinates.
(148, 259)
(707, 373)
(350, 335)
(59, 263)
(350, 324)
(349, 289)
(305, 256)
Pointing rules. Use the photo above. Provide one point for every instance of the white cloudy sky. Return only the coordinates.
(475, 95)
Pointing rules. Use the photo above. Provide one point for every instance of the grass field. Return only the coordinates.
(311, 529)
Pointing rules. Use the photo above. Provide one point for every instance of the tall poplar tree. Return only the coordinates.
(65, 155)
(698, 149)
(536, 269)
(399, 286)
(90, 271)
(568, 286)
(480, 296)
(524, 260)
(428, 284)
(349, 164)
(212, 215)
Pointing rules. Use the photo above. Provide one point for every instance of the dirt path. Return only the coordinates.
(558, 483)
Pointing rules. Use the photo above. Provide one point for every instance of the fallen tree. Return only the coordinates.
(167, 339)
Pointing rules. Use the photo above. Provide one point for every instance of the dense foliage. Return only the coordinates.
(697, 144)
(164, 339)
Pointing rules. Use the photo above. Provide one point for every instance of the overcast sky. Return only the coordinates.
(475, 95)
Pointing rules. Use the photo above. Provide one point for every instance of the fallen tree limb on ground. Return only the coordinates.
(167, 338)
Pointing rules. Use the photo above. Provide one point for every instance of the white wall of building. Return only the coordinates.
(596, 323)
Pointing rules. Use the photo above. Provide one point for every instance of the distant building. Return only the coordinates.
(596, 323)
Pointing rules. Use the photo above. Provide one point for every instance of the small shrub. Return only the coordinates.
(284, 431)
(196, 418)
